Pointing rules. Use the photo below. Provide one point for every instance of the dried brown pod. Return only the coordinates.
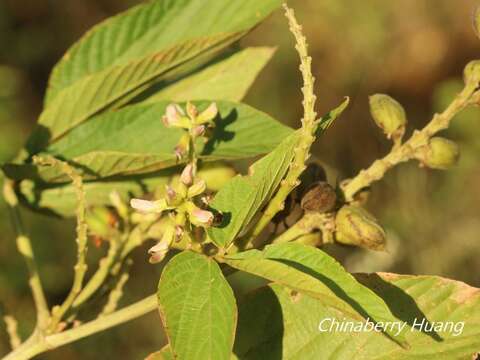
(320, 197)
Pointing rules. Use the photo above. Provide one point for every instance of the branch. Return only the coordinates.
(25, 248)
(407, 150)
(80, 267)
(38, 344)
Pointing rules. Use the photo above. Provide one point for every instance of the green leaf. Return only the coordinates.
(313, 272)
(127, 53)
(197, 307)
(275, 322)
(152, 28)
(241, 198)
(228, 79)
(98, 91)
(134, 140)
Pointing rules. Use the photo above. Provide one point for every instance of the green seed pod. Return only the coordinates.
(440, 153)
(356, 226)
(471, 73)
(320, 197)
(388, 114)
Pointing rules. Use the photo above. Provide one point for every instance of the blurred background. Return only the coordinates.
(414, 50)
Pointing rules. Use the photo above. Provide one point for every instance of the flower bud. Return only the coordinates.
(160, 250)
(440, 153)
(207, 115)
(199, 217)
(388, 114)
(471, 73)
(183, 146)
(172, 197)
(187, 175)
(356, 226)
(319, 197)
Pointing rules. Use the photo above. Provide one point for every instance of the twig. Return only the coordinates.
(117, 292)
(80, 267)
(25, 248)
(406, 151)
(309, 127)
(11, 327)
(37, 344)
(99, 277)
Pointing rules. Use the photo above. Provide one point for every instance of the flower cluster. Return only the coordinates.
(179, 202)
(194, 123)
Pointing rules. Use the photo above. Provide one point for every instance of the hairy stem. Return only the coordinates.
(309, 127)
(407, 150)
(25, 248)
(80, 267)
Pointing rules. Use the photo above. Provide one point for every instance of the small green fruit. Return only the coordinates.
(388, 114)
(471, 73)
(440, 153)
(356, 226)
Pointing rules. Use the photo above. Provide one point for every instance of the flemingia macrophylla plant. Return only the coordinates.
(141, 141)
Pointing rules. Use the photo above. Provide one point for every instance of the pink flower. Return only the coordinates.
(147, 206)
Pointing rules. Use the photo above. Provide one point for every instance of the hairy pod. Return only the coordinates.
(388, 114)
(356, 226)
(440, 153)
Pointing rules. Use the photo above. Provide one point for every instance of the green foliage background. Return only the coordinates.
(414, 50)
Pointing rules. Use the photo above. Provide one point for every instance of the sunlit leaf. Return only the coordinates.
(228, 79)
(241, 198)
(312, 271)
(277, 323)
(197, 307)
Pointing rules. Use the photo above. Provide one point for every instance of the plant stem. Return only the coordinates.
(408, 149)
(99, 277)
(25, 248)
(12, 331)
(80, 267)
(38, 344)
(307, 137)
